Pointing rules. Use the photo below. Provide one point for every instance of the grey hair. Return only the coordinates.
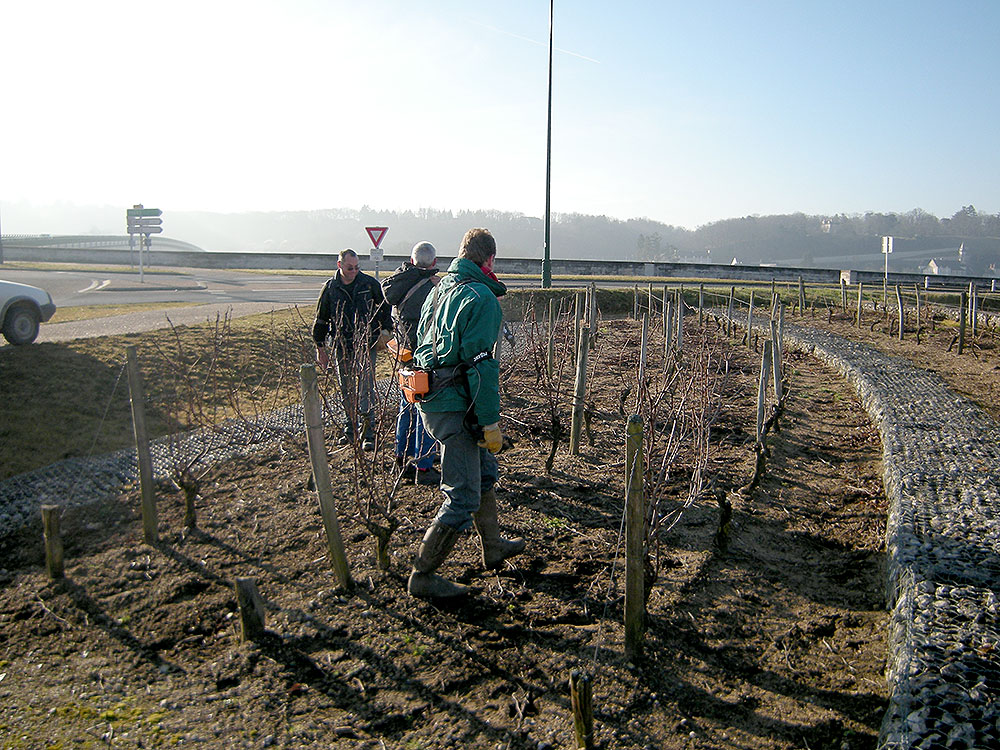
(423, 255)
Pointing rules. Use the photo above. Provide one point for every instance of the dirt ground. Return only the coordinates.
(776, 642)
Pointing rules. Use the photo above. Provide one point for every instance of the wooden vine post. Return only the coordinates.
(680, 319)
(765, 367)
(860, 302)
(640, 388)
(701, 306)
(843, 295)
(251, 607)
(729, 312)
(916, 290)
(668, 339)
(578, 320)
(581, 694)
(313, 413)
(961, 323)
(593, 314)
(899, 305)
(750, 323)
(635, 518)
(53, 542)
(666, 322)
(776, 362)
(802, 297)
(579, 392)
(150, 534)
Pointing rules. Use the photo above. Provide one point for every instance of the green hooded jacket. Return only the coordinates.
(468, 321)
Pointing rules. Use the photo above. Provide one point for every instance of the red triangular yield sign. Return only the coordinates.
(377, 234)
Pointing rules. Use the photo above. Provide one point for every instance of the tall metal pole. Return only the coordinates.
(546, 260)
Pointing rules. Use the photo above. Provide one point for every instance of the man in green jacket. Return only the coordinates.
(459, 323)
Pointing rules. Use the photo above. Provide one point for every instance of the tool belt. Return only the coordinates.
(417, 384)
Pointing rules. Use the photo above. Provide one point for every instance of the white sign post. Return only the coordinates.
(376, 234)
(886, 249)
(144, 222)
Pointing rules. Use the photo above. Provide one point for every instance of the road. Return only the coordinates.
(194, 285)
(209, 292)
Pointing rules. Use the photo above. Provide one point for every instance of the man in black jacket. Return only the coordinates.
(406, 291)
(352, 314)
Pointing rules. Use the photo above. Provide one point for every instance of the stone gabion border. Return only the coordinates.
(941, 457)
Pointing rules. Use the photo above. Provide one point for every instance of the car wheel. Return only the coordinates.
(21, 325)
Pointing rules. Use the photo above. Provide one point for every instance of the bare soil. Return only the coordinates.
(777, 641)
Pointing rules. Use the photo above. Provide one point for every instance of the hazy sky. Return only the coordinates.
(683, 112)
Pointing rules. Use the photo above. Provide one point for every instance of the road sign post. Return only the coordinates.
(144, 222)
(376, 235)
(886, 249)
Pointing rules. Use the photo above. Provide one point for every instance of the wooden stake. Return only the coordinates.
(252, 613)
(635, 516)
(843, 295)
(916, 290)
(581, 692)
(961, 323)
(593, 314)
(729, 311)
(701, 306)
(750, 322)
(680, 319)
(313, 413)
(668, 341)
(640, 388)
(53, 542)
(899, 305)
(765, 367)
(579, 392)
(149, 522)
(860, 293)
(666, 323)
(776, 361)
(802, 297)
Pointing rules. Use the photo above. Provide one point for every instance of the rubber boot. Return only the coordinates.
(368, 432)
(496, 549)
(435, 547)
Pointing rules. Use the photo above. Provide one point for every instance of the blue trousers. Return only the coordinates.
(466, 469)
(412, 440)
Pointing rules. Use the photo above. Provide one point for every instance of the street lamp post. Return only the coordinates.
(546, 260)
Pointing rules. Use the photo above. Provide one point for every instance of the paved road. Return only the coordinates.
(209, 292)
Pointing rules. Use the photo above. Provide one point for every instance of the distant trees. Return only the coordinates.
(753, 239)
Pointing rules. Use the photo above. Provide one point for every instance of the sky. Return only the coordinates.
(681, 112)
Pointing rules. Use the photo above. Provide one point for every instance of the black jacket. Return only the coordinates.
(407, 314)
(344, 311)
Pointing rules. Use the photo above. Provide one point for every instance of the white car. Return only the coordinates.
(22, 309)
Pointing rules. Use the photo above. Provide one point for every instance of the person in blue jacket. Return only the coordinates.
(459, 324)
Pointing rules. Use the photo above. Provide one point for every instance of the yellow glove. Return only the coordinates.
(492, 438)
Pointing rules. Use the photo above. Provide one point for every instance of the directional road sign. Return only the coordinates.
(143, 212)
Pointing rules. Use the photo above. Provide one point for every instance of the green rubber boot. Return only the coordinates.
(435, 547)
(496, 549)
